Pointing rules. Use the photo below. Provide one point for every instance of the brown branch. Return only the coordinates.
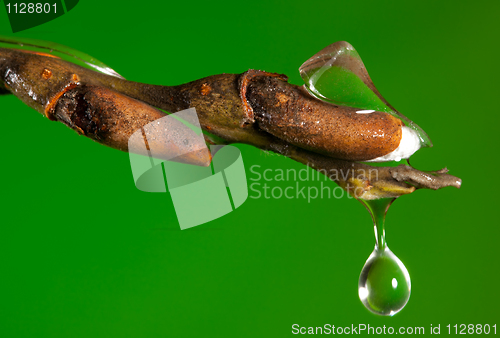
(368, 182)
(421, 179)
(256, 108)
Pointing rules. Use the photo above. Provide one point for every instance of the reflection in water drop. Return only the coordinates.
(384, 283)
(336, 74)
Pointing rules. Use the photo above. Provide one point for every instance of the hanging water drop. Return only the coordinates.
(384, 283)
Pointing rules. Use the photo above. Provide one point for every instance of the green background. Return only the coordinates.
(83, 253)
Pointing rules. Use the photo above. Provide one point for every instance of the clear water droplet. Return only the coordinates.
(384, 285)
(61, 51)
(336, 74)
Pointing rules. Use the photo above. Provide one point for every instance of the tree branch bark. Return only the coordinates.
(257, 108)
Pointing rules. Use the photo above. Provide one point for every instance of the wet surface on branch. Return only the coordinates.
(257, 108)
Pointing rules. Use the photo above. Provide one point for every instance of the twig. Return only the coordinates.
(247, 108)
